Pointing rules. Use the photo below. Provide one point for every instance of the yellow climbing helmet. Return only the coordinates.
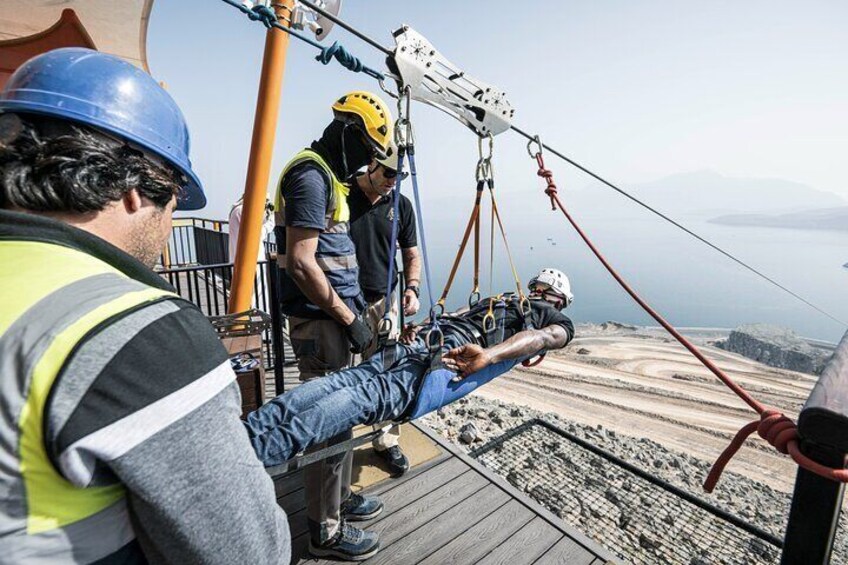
(368, 111)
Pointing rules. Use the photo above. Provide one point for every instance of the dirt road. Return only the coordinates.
(640, 384)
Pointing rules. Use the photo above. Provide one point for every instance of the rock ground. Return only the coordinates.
(777, 347)
(625, 516)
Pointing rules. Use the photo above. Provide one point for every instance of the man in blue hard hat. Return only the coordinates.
(120, 437)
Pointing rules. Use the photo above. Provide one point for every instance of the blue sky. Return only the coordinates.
(636, 90)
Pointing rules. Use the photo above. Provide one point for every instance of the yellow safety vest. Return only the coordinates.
(36, 274)
(338, 194)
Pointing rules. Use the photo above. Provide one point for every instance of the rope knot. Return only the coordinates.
(777, 429)
(774, 427)
(264, 14)
(342, 55)
(548, 175)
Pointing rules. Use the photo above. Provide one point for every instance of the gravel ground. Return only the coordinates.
(631, 518)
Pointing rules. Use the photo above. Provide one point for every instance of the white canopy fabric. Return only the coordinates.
(118, 27)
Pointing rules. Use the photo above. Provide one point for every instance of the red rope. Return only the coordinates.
(777, 429)
(533, 362)
(546, 174)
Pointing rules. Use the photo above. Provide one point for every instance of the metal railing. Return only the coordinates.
(196, 241)
(208, 287)
(200, 241)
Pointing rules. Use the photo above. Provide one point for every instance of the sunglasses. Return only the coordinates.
(391, 173)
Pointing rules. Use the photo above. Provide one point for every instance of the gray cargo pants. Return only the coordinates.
(373, 314)
(322, 347)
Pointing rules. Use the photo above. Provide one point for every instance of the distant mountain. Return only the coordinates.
(708, 192)
(821, 219)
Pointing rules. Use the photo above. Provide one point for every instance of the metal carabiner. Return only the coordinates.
(474, 298)
(403, 126)
(491, 139)
(489, 323)
(484, 163)
(538, 141)
(382, 83)
(436, 314)
(524, 305)
(384, 327)
(428, 339)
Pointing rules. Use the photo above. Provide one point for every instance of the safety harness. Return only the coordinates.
(496, 305)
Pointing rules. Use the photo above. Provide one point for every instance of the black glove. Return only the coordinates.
(359, 335)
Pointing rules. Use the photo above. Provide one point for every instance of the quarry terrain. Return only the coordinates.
(638, 394)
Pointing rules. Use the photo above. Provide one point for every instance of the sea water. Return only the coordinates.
(689, 283)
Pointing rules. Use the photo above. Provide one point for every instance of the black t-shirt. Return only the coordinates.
(371, 230)
(542, 314)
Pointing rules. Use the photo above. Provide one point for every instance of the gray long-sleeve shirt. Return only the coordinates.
(151, 402)
(146, 400)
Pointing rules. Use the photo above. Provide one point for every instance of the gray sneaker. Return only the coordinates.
(358, 508)
(349, 544)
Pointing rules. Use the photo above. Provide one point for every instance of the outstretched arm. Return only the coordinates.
(471, 358)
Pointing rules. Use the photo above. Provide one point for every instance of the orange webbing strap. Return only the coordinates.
(773, 426)
(497, 216)
(473, 222)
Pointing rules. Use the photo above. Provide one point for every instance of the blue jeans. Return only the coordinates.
(324, 408)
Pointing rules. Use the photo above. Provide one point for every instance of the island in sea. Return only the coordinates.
(817, 219)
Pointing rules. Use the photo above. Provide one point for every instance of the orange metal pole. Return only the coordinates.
(259, 166)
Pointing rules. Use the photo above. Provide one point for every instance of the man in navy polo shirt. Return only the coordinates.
(371, 214)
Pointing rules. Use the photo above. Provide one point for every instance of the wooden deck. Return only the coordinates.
(452, 510)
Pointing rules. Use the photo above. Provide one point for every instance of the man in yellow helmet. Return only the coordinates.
(320, 294)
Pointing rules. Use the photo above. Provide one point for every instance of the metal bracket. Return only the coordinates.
(434, 80)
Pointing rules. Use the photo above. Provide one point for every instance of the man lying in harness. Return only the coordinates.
(384, 387)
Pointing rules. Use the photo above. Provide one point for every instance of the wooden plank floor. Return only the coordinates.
(453, 510)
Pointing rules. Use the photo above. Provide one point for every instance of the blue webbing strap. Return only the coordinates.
(384, 329)
(414, 174)
(434, 317)
(390, 272)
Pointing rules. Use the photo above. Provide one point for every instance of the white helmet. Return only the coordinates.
(556, 280)
(391, 160)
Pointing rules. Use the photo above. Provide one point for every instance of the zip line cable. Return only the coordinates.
(266, 16)
(773, 426)
(341, 23)
(675, 223)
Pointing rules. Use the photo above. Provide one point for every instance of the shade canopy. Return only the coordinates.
(30, 27)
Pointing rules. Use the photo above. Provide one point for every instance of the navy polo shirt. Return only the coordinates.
(371, 230)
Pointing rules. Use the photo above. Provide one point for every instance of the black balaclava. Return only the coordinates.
(344, 148)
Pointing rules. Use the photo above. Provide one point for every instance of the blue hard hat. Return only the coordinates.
(108, 93)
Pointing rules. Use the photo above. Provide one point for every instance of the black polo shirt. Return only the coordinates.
(371, 230)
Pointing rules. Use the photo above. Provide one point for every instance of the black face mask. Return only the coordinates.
(343, 145)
